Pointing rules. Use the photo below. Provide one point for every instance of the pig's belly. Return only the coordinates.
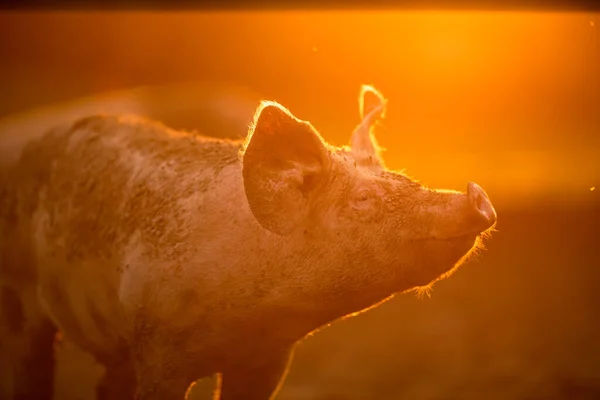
(84, 305)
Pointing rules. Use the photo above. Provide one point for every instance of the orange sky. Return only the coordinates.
(510, 100)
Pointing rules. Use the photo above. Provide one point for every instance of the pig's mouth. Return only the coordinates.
(454, 246)
(449, 239)
(464, 243)
(467, 239)
(461, 238)
(459, 244)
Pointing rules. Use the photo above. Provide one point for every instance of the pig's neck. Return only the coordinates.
(320, 284)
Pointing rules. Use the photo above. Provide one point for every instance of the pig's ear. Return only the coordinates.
(369, 99)
(371, 107)
(284, 162)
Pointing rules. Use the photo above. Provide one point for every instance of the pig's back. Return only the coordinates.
(94, 182)
(75, 200)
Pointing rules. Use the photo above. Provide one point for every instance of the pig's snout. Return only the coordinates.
(481, 204)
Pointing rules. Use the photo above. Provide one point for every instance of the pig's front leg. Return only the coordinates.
(160, 374)
(254, 381)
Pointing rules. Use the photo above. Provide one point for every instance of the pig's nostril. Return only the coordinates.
(480, 201)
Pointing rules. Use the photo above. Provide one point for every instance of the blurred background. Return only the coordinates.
(510, 100)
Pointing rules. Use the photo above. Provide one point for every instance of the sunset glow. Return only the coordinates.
(151, 248)
(507, 99)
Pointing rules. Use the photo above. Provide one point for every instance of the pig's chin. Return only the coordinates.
(442, 255)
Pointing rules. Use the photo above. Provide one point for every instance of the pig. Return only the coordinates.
(171, 257)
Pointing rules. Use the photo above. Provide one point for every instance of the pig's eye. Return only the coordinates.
(367, 206)
(364, 196)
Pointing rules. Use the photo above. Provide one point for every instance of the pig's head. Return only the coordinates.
(386, 228)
